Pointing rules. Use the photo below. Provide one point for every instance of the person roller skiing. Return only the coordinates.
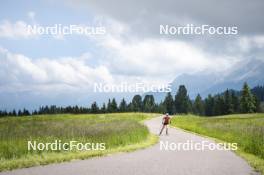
(165, 122)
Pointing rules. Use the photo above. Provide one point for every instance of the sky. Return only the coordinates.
(39, 69)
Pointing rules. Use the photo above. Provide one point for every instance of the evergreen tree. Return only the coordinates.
(198, 106)
(94, 108)
(123, 106)
(14, 113)
(103, 109)
(256, 103)
(209, 105)
(114, 105)
(235, 102)
(168, 104)
(258, 91)
(148, 103)
(75, 109)
(247, 101)
(182, 101)
(35, 112)
(218, 105)
(229, 108)
(109, 106)
(130, 107)
(160, 108)
(137, 103)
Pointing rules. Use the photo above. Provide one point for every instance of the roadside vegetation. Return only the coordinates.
(119, 132)
(247, 130)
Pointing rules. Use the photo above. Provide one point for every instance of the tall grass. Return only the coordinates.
(115, 130)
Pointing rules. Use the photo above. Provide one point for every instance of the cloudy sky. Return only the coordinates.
(44, 69)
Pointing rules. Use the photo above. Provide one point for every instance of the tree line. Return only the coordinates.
(228, 102)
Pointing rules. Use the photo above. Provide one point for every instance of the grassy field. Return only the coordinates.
(119, 132)
(245, 129)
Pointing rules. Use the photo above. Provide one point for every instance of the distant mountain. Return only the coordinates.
(250, 71)
(32, 101)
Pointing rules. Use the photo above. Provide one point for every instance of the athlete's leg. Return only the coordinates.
(163, 126)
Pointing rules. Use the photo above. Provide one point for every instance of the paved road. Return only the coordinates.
(152, 161)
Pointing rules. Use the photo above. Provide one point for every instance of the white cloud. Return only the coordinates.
(154, 59)
(19, 71)
(128, 58)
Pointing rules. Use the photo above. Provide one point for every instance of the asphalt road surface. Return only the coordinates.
(153, 160)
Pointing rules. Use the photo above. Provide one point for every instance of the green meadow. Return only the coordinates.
(247, 130)
(119, 132)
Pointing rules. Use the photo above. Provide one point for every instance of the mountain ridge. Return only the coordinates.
(205, 83)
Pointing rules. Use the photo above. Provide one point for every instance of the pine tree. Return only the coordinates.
(168, 104)
(130, 107)
(235, 102)
(218, 105)
(109, 106)
(137, 103)
(25, 112)
(103, 109)
(182, 101)
(256, 103)
(198, 106)
(14, 113)
(258, 91)
(209, 105)
(247, 101)
(148, 103)
(123, 106)
(114, 105)
(94, 108)
(161, 108)
(229, 107)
